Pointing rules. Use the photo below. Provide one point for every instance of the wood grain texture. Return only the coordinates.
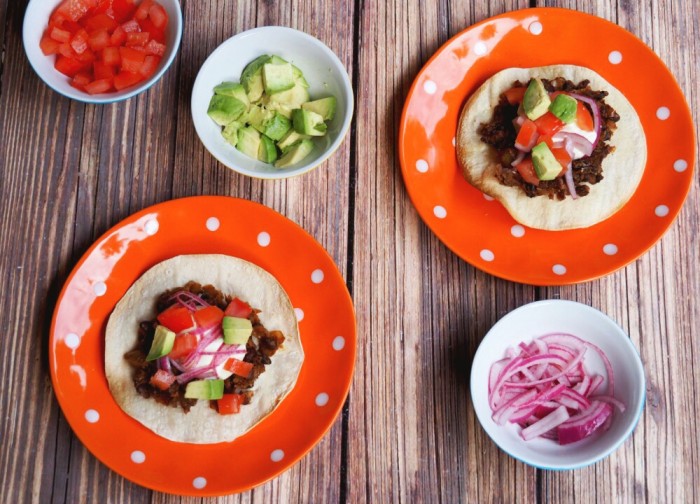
(69, 171)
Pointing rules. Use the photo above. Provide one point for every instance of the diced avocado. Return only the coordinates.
(295, 153)
(292, 137)
(224, 109)
(248, 141)
(546, 165)
(276, 60)
(268, 151)
(237, 330)
(277, 126)
(277, 78)
(230, 132)
(308, 123)
(286, 101)
(251, 78)
(564, 107)
(299, 77)
(258, 117)
(163, 341)
(325, 107)
(536, 100)
(232, 89)
(205, 389)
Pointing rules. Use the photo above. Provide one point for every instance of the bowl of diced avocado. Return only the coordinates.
(272, 102)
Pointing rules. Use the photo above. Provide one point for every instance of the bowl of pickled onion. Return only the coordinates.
(557, 384)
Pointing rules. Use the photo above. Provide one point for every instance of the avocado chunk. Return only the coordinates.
(286, 101)
(163, 341)
(277, 126)
(277, 78)
(546, 165)
(258, 117)
(299, 77)
(268, 151)
(237, 330)
(295, 153)
(536, 100)
(224, 109)
(234, 90)
(292, 137)
(230, 132)
(205, 389)
(325, 107)
(252, 79)
(308, 122)
(248, 141)
(564, 107)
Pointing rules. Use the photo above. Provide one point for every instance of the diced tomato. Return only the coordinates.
(230, 404)
(150, 64)
(548, 124)
(60, 35)
(131, 26)
(142, 10)
(98, 40)
(158, 15)
(527, 171)
(66, 50)
(48, 45)
(75, 9)
(80, 80)
(238, 367)
(68, 66)
(118, 37)
(132, 60)
(209, 316)
(155, 48)
(100, 22)
(156, 33)
(111, 56)
(99, 86)
(102, 70)
(123, 9)
(137, 39)
(176, 318)
(238, 308)
(79, 42)
(583, 117)
(86, 57)
(527, 136)
(183, 345)
(162, 379)
(563, 157)
(126, 79)
(515, 95)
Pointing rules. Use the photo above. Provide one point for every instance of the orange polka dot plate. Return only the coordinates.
(204, 224)
(479, 229)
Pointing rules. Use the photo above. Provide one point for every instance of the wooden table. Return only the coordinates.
(408, 432)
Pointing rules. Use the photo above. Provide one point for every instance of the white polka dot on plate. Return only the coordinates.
(317, 276)
(151, 227)
(487, 255)
(487, 197)
(422, 165)
(661, 211)
(321, 399)
(680, 165)
(276, 455)
(535, 28)
(100, 288)
(299, 314)
(338, 343)
(440, 212)
(615, 57)
(199, 482)
(663, 113)
(480, 49)
(92, 416)
(264, 239)
(610, 249)
(138, 457)
(518, 231)
(559, 269)
(429, 87)
(72, 341)
(213, 223)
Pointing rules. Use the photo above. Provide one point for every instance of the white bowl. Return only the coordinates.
(321, 68)
(540, 318)
(36, 19)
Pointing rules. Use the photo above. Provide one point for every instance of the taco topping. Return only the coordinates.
(551, 136)
(203, 344)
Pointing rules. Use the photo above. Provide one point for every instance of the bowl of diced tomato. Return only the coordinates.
(101, 51)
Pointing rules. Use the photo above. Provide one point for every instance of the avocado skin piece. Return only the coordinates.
(277, 78)
(251, 78)
(163, 341)
(536, 100)
(224, 109)
(205, 389)
(295, 153)
(325, 107)
(277, 127)
(291, 138)
(249, 141)
(232, 89)
(564, 107)
(546, 165)
(308, 122)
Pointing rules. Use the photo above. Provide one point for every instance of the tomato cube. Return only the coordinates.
(98, 40)
(583, 117)
(66, 50)
(131, 26)
(75, 9)
(527, 136)
(123, 9)
(48, 45)
(80, 80)
(162, 379)
(209, 316)
(238, 367)
(99, 86)
(60, 35)
(183, 346)
(86, 57)
(132, 60)
(548, 124)
(176, 318)
(111, 56)
(156, 33)
(230, 404)
(102, 70)
(238, 308)
(137, 39)
(150, 64)
(100, 22)
(527, 171)
(158, 15)
(68, 66)
(118, 36)
(142, 10)
(79, 42)
(155, 48)
(515, 95)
